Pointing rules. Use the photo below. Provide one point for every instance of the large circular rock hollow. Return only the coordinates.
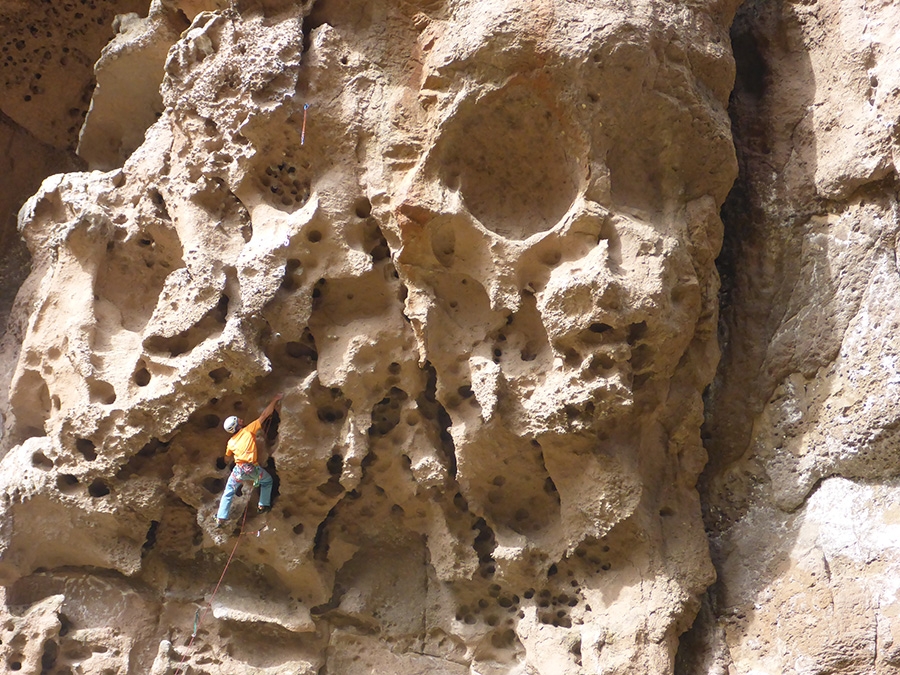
(508, 154)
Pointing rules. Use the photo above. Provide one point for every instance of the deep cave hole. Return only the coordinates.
(331, 488)
(159, 202)
(66, 483)
(65, 625)
(270, 426)
(305, 348)
(49, 656)
(183, 23)
(175, 346)
(318, 292)
(752, 71)
(87, 448)
(219, 375)
(335, 465)
(749, 132)
(41, 461)
(289, 281)
(550, 489)
(636, 332)
(330, 413)
(601, 363)
(150, 539)
(142, 377)
(320, 541)
(214, 485)
(101, 392)
(599, 327)
(431, 409)
(138, 463)
(485, 542)
(363, 207)
(377, 245)
(152, 447)
(528, 353)
(220, 313)
(386, 413)
(447, 445)
(575, 650)
(98, 488)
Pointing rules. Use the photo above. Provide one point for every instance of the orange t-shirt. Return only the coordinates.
(243, 444)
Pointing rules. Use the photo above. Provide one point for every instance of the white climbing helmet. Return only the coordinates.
(232, 424)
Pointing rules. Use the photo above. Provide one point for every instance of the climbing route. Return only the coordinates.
(198, 617)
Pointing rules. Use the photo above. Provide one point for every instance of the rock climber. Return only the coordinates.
(242, 445)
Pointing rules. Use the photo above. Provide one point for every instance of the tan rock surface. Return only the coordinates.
(802, 484)
(480, 265)
(47, 53)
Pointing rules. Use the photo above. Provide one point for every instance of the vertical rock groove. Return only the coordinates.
(802, 415)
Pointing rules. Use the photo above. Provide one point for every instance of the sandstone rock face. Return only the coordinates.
(47, 53)
(472, 243)
(802, 484)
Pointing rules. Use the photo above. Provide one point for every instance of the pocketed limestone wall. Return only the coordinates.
(472, 243)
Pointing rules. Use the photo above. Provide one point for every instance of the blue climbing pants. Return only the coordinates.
(245, 473)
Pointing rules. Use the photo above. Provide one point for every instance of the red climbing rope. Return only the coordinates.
(199, 620)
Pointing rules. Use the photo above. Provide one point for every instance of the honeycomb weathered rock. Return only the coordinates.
(480, 265)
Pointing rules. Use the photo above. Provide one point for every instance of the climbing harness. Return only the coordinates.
(303, 131)
(248, 472)
(198, 617)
